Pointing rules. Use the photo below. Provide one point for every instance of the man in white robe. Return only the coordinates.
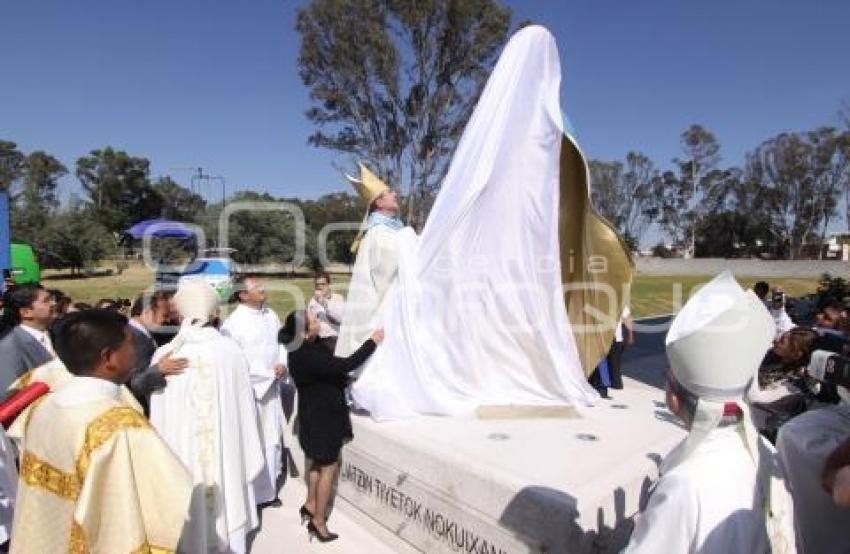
(721, 489)
(254, 326)
(376, 265)
(208, 417)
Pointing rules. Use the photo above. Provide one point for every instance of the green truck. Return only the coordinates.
(17, 260)
(25, 268)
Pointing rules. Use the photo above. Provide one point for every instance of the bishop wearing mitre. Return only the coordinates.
(376, 266)
(208, 417)
(722, 488)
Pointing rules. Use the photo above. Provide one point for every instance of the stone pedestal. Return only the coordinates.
(564, 482)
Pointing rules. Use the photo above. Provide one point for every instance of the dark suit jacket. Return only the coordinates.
(321, 378)
(145, 378)
(19, 352)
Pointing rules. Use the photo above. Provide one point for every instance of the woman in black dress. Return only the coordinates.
(324, 423)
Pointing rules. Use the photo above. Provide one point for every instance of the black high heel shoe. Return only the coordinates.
(313, 531)
(305, 514)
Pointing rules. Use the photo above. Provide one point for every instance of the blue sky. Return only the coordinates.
(214, 83)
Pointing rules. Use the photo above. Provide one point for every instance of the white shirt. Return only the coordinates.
(330, 315)
(141, 328)
(618, 332)
(783, 322)
(41, 336)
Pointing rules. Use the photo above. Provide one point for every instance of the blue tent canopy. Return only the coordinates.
(160, 228)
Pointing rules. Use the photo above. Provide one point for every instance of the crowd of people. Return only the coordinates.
(808, 418)
(164, 427)
(766, 463)
(164, 423)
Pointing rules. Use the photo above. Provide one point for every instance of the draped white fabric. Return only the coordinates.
(476, 316)
(208, 417)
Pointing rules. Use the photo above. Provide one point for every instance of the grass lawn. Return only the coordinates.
(651, 295)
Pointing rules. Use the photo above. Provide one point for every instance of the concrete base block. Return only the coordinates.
(523, 484)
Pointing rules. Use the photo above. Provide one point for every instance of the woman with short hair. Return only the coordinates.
(324, 422)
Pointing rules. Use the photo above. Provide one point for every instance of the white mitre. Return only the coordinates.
(718, 340)
(715, 346)
(196, 300)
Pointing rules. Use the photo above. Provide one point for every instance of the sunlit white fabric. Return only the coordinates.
(208, 417)
(476, 316)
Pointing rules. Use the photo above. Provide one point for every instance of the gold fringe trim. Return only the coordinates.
(40, 474)
(101, 430)
(24, 380)
(77, 542)
(150, 549)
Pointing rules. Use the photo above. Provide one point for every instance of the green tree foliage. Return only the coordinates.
(832, 289)
(178, 202)
(118, 188)
(801, 176)
(393, 82)
(36, 201)
(680, 195)
(734, 221)
(261, 235)
(330, 209)
(10, 164)
(73, 240)
(622, 194)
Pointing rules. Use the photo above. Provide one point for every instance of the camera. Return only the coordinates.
(777, 298)
(829, 367)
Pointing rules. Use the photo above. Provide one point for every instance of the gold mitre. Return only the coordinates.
(368, 186)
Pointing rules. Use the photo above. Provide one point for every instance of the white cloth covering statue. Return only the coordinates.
(476, 316)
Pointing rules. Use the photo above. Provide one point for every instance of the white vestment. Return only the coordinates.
(804, 444)
(374, 273)
(709, 503)
(207, 415)
(476, 316)
(256, 332)
(95, 477)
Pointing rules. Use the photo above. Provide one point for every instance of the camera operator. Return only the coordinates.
(804, 445)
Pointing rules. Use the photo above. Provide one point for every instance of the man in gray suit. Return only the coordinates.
(147, 314)
(25, 344)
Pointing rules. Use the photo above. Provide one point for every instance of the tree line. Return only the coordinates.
(117, 190)
(780, 203)
(393, 82)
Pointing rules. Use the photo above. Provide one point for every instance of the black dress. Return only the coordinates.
(324, 422)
